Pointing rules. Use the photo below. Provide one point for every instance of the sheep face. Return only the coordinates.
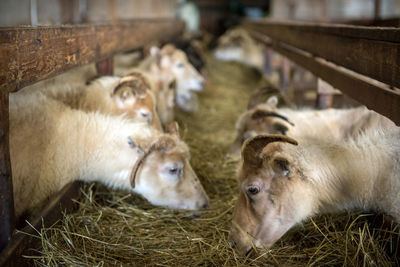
(175, 62)
(132, 96)
(261, 119)
(274, 195)
(237, 45)
(166, 177)
(230, 47)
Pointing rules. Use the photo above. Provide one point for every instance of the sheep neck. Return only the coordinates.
(361, 175)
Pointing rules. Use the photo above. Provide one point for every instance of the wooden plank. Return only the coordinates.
(105, 67)
(371, 51)
(23, 243)
(31, 54)
(374, 95)
(6, 186)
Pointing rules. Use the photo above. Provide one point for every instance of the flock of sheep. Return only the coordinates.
(120, 131)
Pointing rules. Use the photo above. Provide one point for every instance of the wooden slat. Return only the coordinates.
(375, 96)
(22, 243)
(105, 67)
(30, 54)
(6, 187)
(371, 51)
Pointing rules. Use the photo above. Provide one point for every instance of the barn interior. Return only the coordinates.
(315, 54)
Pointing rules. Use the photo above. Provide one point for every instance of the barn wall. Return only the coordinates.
(53, 12)
(324, 10)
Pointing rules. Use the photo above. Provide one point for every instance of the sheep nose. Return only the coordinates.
(232, 244)
(202, 83)
(205, 206)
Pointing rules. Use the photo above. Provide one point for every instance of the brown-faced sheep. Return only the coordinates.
(283, 182)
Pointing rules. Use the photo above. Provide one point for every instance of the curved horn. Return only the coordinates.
(139, 76)
(137, 87)
(164, 143)
(252, 147)
(259, 114)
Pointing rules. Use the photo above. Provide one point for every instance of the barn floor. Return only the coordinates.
(116, 228)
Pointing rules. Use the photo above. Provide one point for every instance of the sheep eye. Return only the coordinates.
(253, 190)
(281, 129)
(180, 65)
(173, 170)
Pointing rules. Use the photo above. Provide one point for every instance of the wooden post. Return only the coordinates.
(324, 101)
(105, 67)
(377, 9)
(6, 187)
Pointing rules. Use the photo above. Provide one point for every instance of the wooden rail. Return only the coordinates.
(31, 54)
(371, 51)
(374, 95)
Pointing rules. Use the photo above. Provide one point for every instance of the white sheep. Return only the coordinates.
(52, 145)
(329, 124)
(283, 182)
(171, 69)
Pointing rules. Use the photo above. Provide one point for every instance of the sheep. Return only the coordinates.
(52, 144)
(329, 123)
(284, 182)
(170, 66)
(114, 95)
(237, 45)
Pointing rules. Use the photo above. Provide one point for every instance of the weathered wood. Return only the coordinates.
(6, 186)
(374, 95)
(324, 101)
(30, 54)
(371, 51)
(22, 242)
(105, 67)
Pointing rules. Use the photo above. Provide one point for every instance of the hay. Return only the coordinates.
(116, 228)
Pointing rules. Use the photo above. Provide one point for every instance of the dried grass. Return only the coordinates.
(115, 228)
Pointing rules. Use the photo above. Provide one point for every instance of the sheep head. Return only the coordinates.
(262, 119)
(164, 176)
(274, 195)
(133, 96)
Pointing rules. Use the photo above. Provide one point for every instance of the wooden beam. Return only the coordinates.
(371, 51)
(24, 242)
(105, 67)
(374, 95)
(6, 186)
(31, 54)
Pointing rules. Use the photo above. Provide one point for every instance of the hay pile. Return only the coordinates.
(116, 228)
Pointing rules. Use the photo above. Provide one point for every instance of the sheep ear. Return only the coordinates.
(272, 101)
(134, 145)
(173, 129)
(252, 148)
